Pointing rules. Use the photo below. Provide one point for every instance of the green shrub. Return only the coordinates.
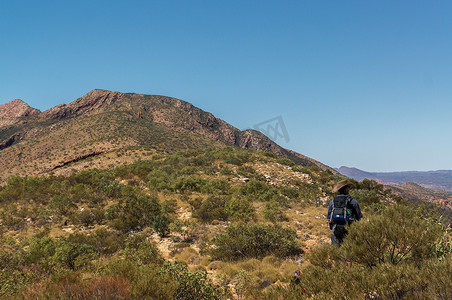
(226, 171)
(10, 260)
(245, 170)
(400, 233)
(325, 255)
(216, 187)
(257, 191)
(13, 191)
(12, 217)
(213, 208)
(273, 213)
(86, 217)
(443, 246)
(111, 188)
(285, 161)
(289, 192)
(145, 280)
(39, 250)
(161, 225)
(64, 253)
(72, 255)
(299, 169)
(159, 180)
(104, 241)
(270, 154)
(62, 204)
(137, 212)
(141, 251)
(191, 285)
(365, 197)
(192, 184)
(310, 192)
(149, 283)
(257, 240)
(239, 210)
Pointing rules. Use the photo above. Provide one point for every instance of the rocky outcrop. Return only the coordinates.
(15, 112)
(10, 141)
(88, 104)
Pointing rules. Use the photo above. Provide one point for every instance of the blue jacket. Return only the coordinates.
(353, 205)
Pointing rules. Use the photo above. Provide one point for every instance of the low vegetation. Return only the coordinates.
(213, 224)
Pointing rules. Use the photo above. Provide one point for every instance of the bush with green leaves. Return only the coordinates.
(62, 204)
(40, 251)
(12, 217)
(191, 285)
(256, 190)
(142, 251)
(136, 212)
(273, 213)
(285, 161)
(213, 208)
(103, 240)
(161, 224)
(365, 197)
(146, 282)
(189, 184)
(159, 180)
(239, 210)
(325, 255)
(63, 253)
(310, 192)
(289, 192)
(234, 156)
(216, 187)
(399, 233)
(72, 255)
(112, 188)
(256, 241)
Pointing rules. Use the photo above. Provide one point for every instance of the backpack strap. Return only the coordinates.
(346, 206)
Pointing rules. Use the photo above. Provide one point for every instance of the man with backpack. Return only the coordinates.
(342, 210)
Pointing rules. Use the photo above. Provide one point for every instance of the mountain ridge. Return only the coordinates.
(439, 179)
(102, 121)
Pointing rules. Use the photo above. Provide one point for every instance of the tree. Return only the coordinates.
(62, 204)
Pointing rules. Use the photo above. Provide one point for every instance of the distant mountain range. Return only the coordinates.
(102, 122)
(435, 180)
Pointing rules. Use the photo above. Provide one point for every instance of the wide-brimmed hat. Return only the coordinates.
(341, 184)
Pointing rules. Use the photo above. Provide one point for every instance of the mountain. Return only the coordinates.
(103, 122)
(435, 180)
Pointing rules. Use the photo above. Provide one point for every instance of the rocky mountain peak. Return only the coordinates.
(91, 102)
(15, 109)
(12, 111)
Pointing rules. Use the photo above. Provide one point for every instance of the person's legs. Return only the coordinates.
(335, 240)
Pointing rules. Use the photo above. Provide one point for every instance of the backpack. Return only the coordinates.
(340, 213)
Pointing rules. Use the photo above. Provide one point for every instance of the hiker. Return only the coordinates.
(342, 210)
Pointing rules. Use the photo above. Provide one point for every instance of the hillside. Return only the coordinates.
(95, 125)
(199, 224)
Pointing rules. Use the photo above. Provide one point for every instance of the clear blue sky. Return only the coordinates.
(366, 84)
